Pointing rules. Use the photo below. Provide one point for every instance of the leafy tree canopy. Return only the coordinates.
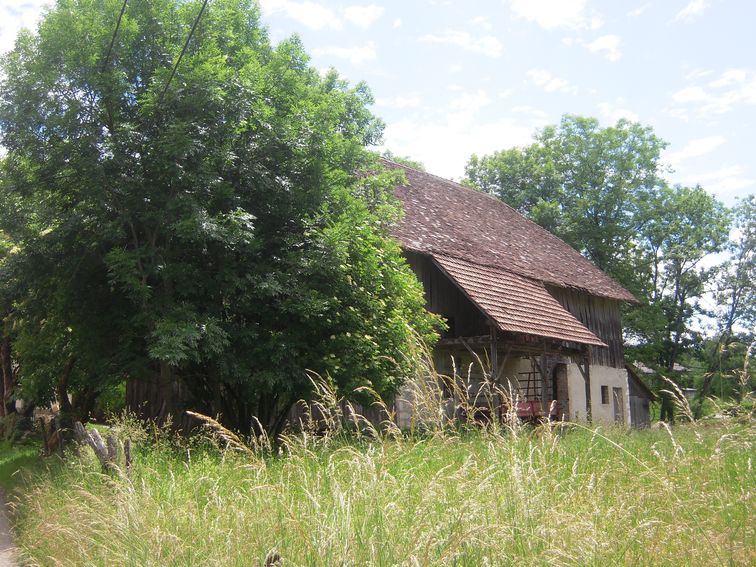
(200, 233)
(669, 270)
(580, 181)
(602, 190)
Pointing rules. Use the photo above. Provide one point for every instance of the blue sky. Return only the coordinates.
(454, 78)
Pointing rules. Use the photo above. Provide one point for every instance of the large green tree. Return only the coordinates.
(581, 181)
(602, 190)
(7, 367)
(679, 227)
(735, 294)
(189, 216)
(736, 284)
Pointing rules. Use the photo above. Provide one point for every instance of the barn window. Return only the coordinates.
(604, 394)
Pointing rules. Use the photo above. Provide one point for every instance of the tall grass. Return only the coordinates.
(345, 492)
(583, 497)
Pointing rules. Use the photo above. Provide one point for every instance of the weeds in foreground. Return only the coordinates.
(356, 494)
(344, 491)
(557, 497)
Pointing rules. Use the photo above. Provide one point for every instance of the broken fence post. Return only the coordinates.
(127, 455)
(106, 454)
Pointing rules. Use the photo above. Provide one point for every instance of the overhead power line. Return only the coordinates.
(183, 50)
(115, 33)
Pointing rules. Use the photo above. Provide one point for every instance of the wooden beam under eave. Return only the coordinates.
(494, 353)
(585, 369)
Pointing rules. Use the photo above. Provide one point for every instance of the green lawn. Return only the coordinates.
(537, 497)
(15, 458)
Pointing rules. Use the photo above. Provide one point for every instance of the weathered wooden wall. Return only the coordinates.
(602, 316)
(445, 298)
(640, 412)
(640, 402)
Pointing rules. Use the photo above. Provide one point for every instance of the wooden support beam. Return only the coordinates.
(502, 364)
(585, 369)
(469, 348)
(494, 353)
(459, 341)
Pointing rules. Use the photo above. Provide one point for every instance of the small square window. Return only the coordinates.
(604, 394)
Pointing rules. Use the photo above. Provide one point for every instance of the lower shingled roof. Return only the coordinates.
(515, 303)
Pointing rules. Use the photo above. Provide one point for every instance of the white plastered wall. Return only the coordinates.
(600, 376)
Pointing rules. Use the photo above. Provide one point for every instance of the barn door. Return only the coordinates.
(619, 405)
(559, 390)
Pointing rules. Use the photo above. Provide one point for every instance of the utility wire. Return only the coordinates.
(115, 33)
(183, 50)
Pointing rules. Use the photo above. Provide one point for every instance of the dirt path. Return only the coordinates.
(7, 551)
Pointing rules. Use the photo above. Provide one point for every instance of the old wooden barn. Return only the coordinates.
(546, 321)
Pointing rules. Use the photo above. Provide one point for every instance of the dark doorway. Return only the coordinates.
(560, 391)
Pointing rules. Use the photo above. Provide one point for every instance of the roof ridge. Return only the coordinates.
(456, 184)
(416, 170)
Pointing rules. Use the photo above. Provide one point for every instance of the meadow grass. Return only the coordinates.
(524, 496)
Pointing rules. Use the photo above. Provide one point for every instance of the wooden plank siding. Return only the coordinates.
(444, 298)
(602, 316)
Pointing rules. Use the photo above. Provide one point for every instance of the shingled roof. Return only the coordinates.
(514, 303)
(443, 218)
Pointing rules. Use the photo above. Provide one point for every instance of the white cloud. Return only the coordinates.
(553, 14)
(607, 45)
(693, 149)
(363, 16)
(400, 101)
(310, 14)
(697, 73)
(485, 45)
(730, 77)
(397, 23)
(482, 21)
(728, 180)
(471, 102)
(612, 112)
(634, 13)
(691, 10)
(549, 83)
(529, 110)
(733, 87)
(317, 16)
(17, 15)
(444, 140)
(690, 94)
(356, 55)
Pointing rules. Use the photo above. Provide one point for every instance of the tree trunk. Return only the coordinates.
(7, 379)
(7, 374)
(165, 392)
(724, 340)
(84, 404)
(62, 386)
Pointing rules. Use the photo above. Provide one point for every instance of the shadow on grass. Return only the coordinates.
(15, 458)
